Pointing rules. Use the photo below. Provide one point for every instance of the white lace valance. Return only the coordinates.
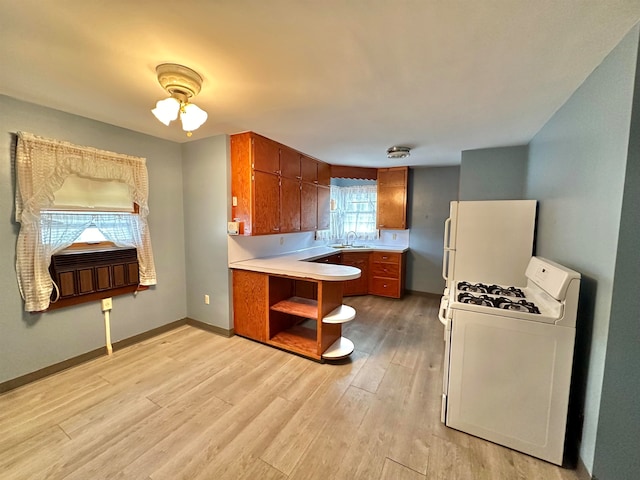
(42, 165)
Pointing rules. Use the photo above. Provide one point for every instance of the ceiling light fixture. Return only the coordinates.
(181, 83)
(398, 152)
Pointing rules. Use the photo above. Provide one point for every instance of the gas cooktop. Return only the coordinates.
(490, 289)
(500, 302)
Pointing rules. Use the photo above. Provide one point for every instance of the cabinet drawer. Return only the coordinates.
(389, 257)
(383, 269)
(388, 287)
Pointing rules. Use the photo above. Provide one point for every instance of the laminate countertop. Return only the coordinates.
(300, 263)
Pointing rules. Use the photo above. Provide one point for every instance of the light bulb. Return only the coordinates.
(192, 117)
(167, 110)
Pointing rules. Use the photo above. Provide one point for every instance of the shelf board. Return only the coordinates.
(297, 339)
(341, 314)
(341, 348)
(299, 306)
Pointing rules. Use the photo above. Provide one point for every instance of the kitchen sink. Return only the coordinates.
(342, 245)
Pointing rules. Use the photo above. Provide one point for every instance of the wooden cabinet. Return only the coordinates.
(275, 188)
(250, 300)
(290, 211)
(266, 204)
(335, 259)
(386, 274)
(382, 273)
(324, 174)
(392, 198)
(324, 211)
(308, 206)
(266, 155)
(359, 286)
(274, 310)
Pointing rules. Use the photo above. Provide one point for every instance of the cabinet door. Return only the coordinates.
(359, 286)
(309, 207)
(309, 169)
(324, 207)
(266, 154)
(393, 177)
(290, 205)
(266, 208)
(250, 304)
(324, 174)
(289, 163)
(392, 198)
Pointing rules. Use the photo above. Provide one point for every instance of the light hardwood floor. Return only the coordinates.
(192, 405)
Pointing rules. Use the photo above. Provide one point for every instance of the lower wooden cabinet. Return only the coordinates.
(383, 273)
(250, 304)
(387, 272)
(300, 316)
(359, 286)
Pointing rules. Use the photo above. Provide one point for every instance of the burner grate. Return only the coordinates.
(502, 303)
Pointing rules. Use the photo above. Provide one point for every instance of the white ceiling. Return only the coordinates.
(341, 80)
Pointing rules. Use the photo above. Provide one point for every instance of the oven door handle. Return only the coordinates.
(442, 311)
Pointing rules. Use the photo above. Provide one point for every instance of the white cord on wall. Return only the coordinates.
(107, 305)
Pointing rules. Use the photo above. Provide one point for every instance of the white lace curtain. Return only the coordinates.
(353, 209)
(42, 165)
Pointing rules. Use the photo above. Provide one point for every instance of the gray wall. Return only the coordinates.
(576, 170)
(430, 192)
(493, 173)
(29, 342)
(205, 172)
(618, 438)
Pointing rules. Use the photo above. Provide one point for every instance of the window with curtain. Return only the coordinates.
(353, 209)
(43, 167)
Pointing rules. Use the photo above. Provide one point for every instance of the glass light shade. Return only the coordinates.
(192, 117)
(167, 110)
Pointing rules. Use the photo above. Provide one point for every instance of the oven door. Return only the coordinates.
(508, 381)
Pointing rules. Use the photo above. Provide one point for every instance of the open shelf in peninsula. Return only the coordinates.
(298, 314)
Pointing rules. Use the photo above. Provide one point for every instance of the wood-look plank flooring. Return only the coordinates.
(192, 405)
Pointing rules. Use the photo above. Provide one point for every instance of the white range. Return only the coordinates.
(508, 358)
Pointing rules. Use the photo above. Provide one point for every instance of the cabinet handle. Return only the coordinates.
(276, 229)
(298, 177)
(380, 226)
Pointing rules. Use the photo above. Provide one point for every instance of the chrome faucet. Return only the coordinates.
(355, 236)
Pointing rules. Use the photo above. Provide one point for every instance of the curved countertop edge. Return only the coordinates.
(299, 263)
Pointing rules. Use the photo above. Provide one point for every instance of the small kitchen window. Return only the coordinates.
(353, 209)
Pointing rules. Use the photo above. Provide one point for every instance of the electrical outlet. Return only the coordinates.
(395, 235)
(206, 299)
(281, 240)
(107, 304)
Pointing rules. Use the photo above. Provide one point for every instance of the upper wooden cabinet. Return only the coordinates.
(289, 162)
(309, 169)
(275, 188)
(265, 155)
(392, 198)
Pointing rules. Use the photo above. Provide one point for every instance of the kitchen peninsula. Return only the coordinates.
(294, 301)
